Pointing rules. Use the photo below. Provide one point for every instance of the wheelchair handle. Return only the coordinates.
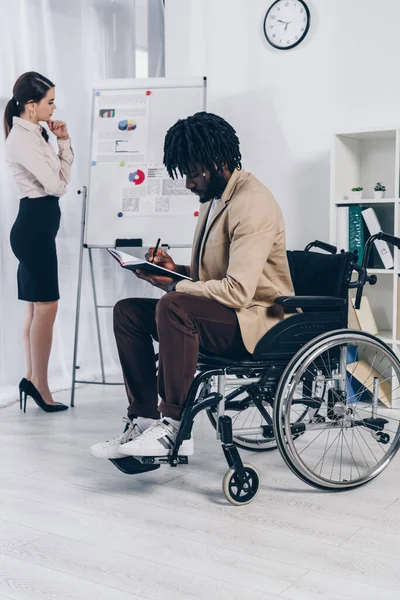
(386, 237)
(363, 276)
(323, 245)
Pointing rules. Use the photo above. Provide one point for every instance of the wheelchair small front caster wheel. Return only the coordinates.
(384, 438)
(241, 493)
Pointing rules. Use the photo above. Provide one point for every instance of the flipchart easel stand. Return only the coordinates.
(97, 307)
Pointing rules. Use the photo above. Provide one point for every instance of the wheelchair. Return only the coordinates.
(326, 396)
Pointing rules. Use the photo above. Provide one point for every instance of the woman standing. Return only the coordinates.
(41, 177)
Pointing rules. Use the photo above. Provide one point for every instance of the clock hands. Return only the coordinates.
(287, 23)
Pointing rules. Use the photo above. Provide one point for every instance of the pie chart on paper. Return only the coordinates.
(137, 177)
(127, 125)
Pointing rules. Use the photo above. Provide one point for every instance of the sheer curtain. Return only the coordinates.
(74, 43)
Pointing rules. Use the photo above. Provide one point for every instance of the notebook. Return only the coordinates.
(127, 261)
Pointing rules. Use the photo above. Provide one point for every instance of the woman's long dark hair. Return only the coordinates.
(29, 87)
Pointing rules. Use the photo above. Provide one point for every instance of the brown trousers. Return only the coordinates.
(181, 323)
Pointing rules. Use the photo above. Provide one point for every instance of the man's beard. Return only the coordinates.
(215, 189)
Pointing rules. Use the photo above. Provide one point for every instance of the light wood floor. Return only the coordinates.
(73, 527)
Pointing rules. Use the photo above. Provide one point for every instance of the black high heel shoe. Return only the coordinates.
(30, 390)
(22, 390)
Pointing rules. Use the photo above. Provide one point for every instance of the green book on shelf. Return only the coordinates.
(356, 231)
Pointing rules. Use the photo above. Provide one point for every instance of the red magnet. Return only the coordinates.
(148, 93)
(196, 213)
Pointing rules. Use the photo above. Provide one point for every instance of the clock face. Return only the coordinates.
(286, 23)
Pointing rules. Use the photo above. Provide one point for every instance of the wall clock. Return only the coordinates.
(286, 23)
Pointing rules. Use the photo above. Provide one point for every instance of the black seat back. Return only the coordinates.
(317, 274)
(313, 274)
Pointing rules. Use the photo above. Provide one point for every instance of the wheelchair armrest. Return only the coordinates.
(309, 301)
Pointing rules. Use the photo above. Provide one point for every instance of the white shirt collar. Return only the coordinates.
(26, 124)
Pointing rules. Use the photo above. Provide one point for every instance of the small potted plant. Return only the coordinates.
(379, 191)
(356, 193)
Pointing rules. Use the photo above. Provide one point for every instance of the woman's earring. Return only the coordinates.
(32, 114)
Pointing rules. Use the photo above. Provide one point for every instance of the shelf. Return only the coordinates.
(362, 158)
(387, 337)
(367, 201)
(371, 135)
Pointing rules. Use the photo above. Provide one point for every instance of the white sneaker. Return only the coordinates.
(157, 440)
(110, 448)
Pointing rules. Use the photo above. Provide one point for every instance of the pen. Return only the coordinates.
(155, 249)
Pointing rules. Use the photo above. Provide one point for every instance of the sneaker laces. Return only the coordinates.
(125, 436)
(154, 431)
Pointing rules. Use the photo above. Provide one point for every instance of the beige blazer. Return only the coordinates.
(239, 259)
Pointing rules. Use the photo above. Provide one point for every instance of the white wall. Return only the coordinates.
(286, 104)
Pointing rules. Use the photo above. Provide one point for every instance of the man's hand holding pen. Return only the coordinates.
(159, 257)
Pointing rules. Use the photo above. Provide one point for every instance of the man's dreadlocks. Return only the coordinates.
(204, 139)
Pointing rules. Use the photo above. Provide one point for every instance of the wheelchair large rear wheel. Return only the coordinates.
(352, 431)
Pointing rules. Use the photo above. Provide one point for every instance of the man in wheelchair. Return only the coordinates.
(239, 267)
(327, 396)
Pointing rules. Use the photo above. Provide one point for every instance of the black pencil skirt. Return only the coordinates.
(33, 241)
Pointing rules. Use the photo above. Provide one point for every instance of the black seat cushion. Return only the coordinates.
(212, 360)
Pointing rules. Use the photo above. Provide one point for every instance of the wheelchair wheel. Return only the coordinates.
(241, 493)
(245, 415)
(250, 417)
(352, 431)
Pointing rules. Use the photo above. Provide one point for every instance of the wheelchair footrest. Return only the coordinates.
(132, 466)
(159, 460)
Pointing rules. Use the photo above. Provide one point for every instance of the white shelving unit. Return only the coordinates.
(360, 159)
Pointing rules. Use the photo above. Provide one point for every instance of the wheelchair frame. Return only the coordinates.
(261, 376)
